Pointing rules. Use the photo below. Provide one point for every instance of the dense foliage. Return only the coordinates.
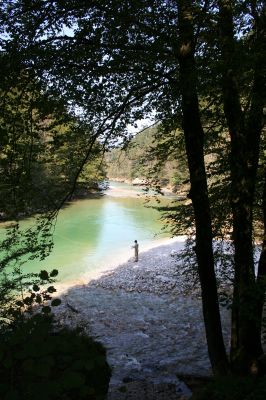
(42, 149)
(38, 362)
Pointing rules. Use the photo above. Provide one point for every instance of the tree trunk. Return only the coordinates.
(261, 278)
(199, 191)
(245, 138)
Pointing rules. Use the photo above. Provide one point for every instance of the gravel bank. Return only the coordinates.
(152, 331)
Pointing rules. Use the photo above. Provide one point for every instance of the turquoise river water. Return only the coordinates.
(95, 234)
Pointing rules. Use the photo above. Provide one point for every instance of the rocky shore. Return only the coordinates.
(152, 329)
(143, 183)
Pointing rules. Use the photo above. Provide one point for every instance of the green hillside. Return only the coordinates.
(141, 161)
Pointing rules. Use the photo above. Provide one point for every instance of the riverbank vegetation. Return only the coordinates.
(42, 148)
(195, 67)
(140, 163)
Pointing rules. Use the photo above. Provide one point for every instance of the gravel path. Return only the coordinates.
(151, 329)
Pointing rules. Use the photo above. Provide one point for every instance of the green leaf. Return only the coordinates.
(46, 309)
(28, 301)
(53, 273)
(55, 302)
(44, 275)
(51, 289)
(38, 299)
(36, 288)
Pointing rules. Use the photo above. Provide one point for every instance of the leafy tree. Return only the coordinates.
(196, 66)
(43, 146)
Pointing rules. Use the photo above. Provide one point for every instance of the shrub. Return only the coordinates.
(38, 363)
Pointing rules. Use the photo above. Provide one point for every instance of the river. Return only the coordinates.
(93, 235)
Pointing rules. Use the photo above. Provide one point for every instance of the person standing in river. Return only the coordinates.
(136, 248)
